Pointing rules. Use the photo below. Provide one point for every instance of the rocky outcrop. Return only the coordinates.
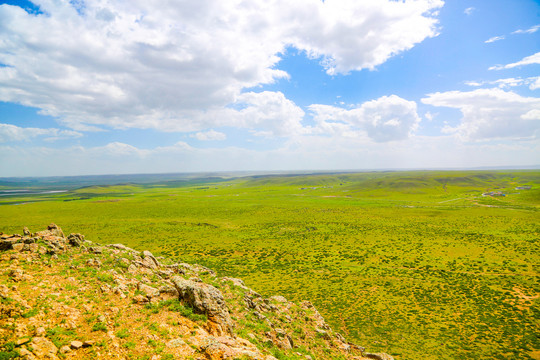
(56, 291)
(208, 300)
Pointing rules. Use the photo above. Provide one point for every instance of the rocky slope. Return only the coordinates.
(68, 298)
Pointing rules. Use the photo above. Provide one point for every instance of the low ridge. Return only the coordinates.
(69, 298)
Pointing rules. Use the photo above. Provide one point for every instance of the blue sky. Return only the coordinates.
(100, 87)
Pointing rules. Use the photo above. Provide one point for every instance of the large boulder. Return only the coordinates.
(206, 299)
(52, 230)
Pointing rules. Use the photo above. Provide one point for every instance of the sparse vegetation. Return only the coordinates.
(416, 264)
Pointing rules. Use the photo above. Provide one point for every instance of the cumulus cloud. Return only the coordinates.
(385, 119)
(491, 114)
(175, 66)
(493, 39)
(12, 133)
(529, 60)
(210, 135)
(469, 10)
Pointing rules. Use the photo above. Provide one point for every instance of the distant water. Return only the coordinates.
(16, 192)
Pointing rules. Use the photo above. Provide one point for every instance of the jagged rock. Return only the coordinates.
(76, 239)
(43, 348)
(206, 299)
(7, 244)
(149, 291)
(95, 250)
(40, 331)
(17, 275)
(236, 282)
(18, 247)
(26, 232)
(379, 356)
(140, 299)
(64, 349)
(52, 230)
(149, 260)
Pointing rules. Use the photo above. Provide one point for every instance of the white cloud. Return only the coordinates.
(529, 60)
(530, 30)
(469, 10)
(534, 85)
(532, 82)
(174, 65)
(385, 119)
(210, 135)
(12, 133)
(491, 114)
(493, 39)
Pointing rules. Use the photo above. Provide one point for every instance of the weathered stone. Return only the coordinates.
(89, 343)
(18, 247)
(76, 239)
(33, 247)
(140, 299)
(149, 291)
(379, 356)
(21, 341)
(206, 299)
(149, 260)
(43, 348)
(95, 250)
(7, 244)
(17, 275)
(76, 344)
(64, 349)
(52, 230)
(26, 232)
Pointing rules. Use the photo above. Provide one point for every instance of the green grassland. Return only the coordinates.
(416, 264)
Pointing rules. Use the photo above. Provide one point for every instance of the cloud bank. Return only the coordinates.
(179, 66)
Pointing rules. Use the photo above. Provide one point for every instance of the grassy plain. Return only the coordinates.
(416, 264)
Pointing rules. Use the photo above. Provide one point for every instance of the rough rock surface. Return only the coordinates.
(208, 300)
(74, 299)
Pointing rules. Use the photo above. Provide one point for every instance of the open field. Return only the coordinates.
(416, 264)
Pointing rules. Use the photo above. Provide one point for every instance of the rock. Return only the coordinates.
(149, 260)
(140, 299)
(64, 349)
(40, 331)
(33, 247)
(206, 299)
(18, 247)
(52, 230)
(4, 291)
(379, 356)
(76, 344)
(174, 343)
(43, 348)
(21, 341)
(17, 275)
(26, 232)
(7, 244)
(89, 343)
(279, 298)
(236, 282)
(95, 250)
(76, 239)
(25, 354)
(149, 291)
